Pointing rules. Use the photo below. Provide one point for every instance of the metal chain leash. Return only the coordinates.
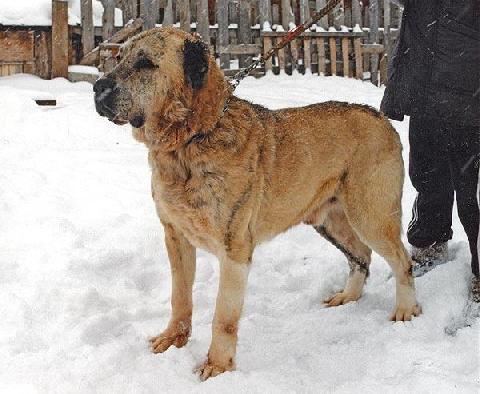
(290, 36)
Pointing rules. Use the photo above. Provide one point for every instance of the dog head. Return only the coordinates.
(166, 80)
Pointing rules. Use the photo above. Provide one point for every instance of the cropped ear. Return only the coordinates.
(195, 62)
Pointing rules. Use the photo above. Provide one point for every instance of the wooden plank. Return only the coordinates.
(281, 60)
(184, 11)
(88, 39)
(357, 47)
(386, 25)
(168, 14)
(150, 14)
(16, 46)
(267, 45)
(304, 11)
(295, 54)
(333, 55)
(222, 34)
(321, 55)
(203, 27)
(265, 11)
(383, 69)
(323, 22)
(49, 102)
(108, 19)
(42, 54)
(356, 13)
(373, 38)
(287, 15)
(59, 38)
(241, 49)
(244, 30)
(373, 49)
(307, 55)
(345, 57)
(29, 67)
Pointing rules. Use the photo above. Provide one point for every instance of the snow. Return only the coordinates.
(76, 68)
(39, 13)
(84, 276)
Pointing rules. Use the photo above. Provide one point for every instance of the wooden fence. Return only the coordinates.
(351, 41)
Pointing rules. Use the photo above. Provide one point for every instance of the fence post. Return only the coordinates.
(307, 52)
(168, 14)
(59, 38)
(287, 15)
(184, 10)
(244, 31)
(319, 4)
(203, 26)
(88, 38)
(265, 12)
(150, 14)
(108, 19)
(373, 38)
(356, 13)
(386, 26)
(222, 35)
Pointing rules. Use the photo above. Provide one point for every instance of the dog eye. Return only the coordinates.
(143, 63)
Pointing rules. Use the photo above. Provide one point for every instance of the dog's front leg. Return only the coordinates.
(231, 292)
(182, 263)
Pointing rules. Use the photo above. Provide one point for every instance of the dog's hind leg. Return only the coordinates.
(336, 229)
(372, 203)
(182, 263)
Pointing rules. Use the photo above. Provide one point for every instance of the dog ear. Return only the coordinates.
(195, 62)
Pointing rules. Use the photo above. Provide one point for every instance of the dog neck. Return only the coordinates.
(186, 113)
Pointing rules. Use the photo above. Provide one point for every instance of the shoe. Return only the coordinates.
(475, 289)
(426, 259)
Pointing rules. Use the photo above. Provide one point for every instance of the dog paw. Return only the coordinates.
(341, 299)
(405, 313)
(177, 337)
(210, 370)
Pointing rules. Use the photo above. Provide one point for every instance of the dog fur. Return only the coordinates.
(226, 182)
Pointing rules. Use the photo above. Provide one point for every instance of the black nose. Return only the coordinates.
(104, 86)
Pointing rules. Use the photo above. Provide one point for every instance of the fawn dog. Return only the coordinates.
(226, 181)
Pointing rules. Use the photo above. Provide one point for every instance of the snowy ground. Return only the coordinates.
(84, 277)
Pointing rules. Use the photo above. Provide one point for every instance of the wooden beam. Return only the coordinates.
(150, 14)
(307, 55)
(373, 38)
(59, 38)
(42, 54)
(287, 15)
(184, 11)
(222, 34)
(203, 27)
(168, 14)
(333, 55)
(357, 47)
(323, 22)
(386, 25)
(304, 10)
(88, 38)
(267, 45)
(108, 19)
(345, 60)
(373, 49)
(356, 13)
(265, 12)
(321, 55)
(244, 30)
(241, 49)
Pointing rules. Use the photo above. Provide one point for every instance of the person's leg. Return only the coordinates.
(465, 157)
(429, 172)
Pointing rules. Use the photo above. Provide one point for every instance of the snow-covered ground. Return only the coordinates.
(84, 276)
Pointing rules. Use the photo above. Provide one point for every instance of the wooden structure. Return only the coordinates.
(352, 41)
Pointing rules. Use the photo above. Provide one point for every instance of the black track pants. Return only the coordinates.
(444, 160)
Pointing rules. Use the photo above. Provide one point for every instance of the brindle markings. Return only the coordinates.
(236, 207)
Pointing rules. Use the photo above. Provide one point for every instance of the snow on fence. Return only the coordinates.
(352, 41)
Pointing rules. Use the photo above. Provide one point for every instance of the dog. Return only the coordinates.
(228, 175)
